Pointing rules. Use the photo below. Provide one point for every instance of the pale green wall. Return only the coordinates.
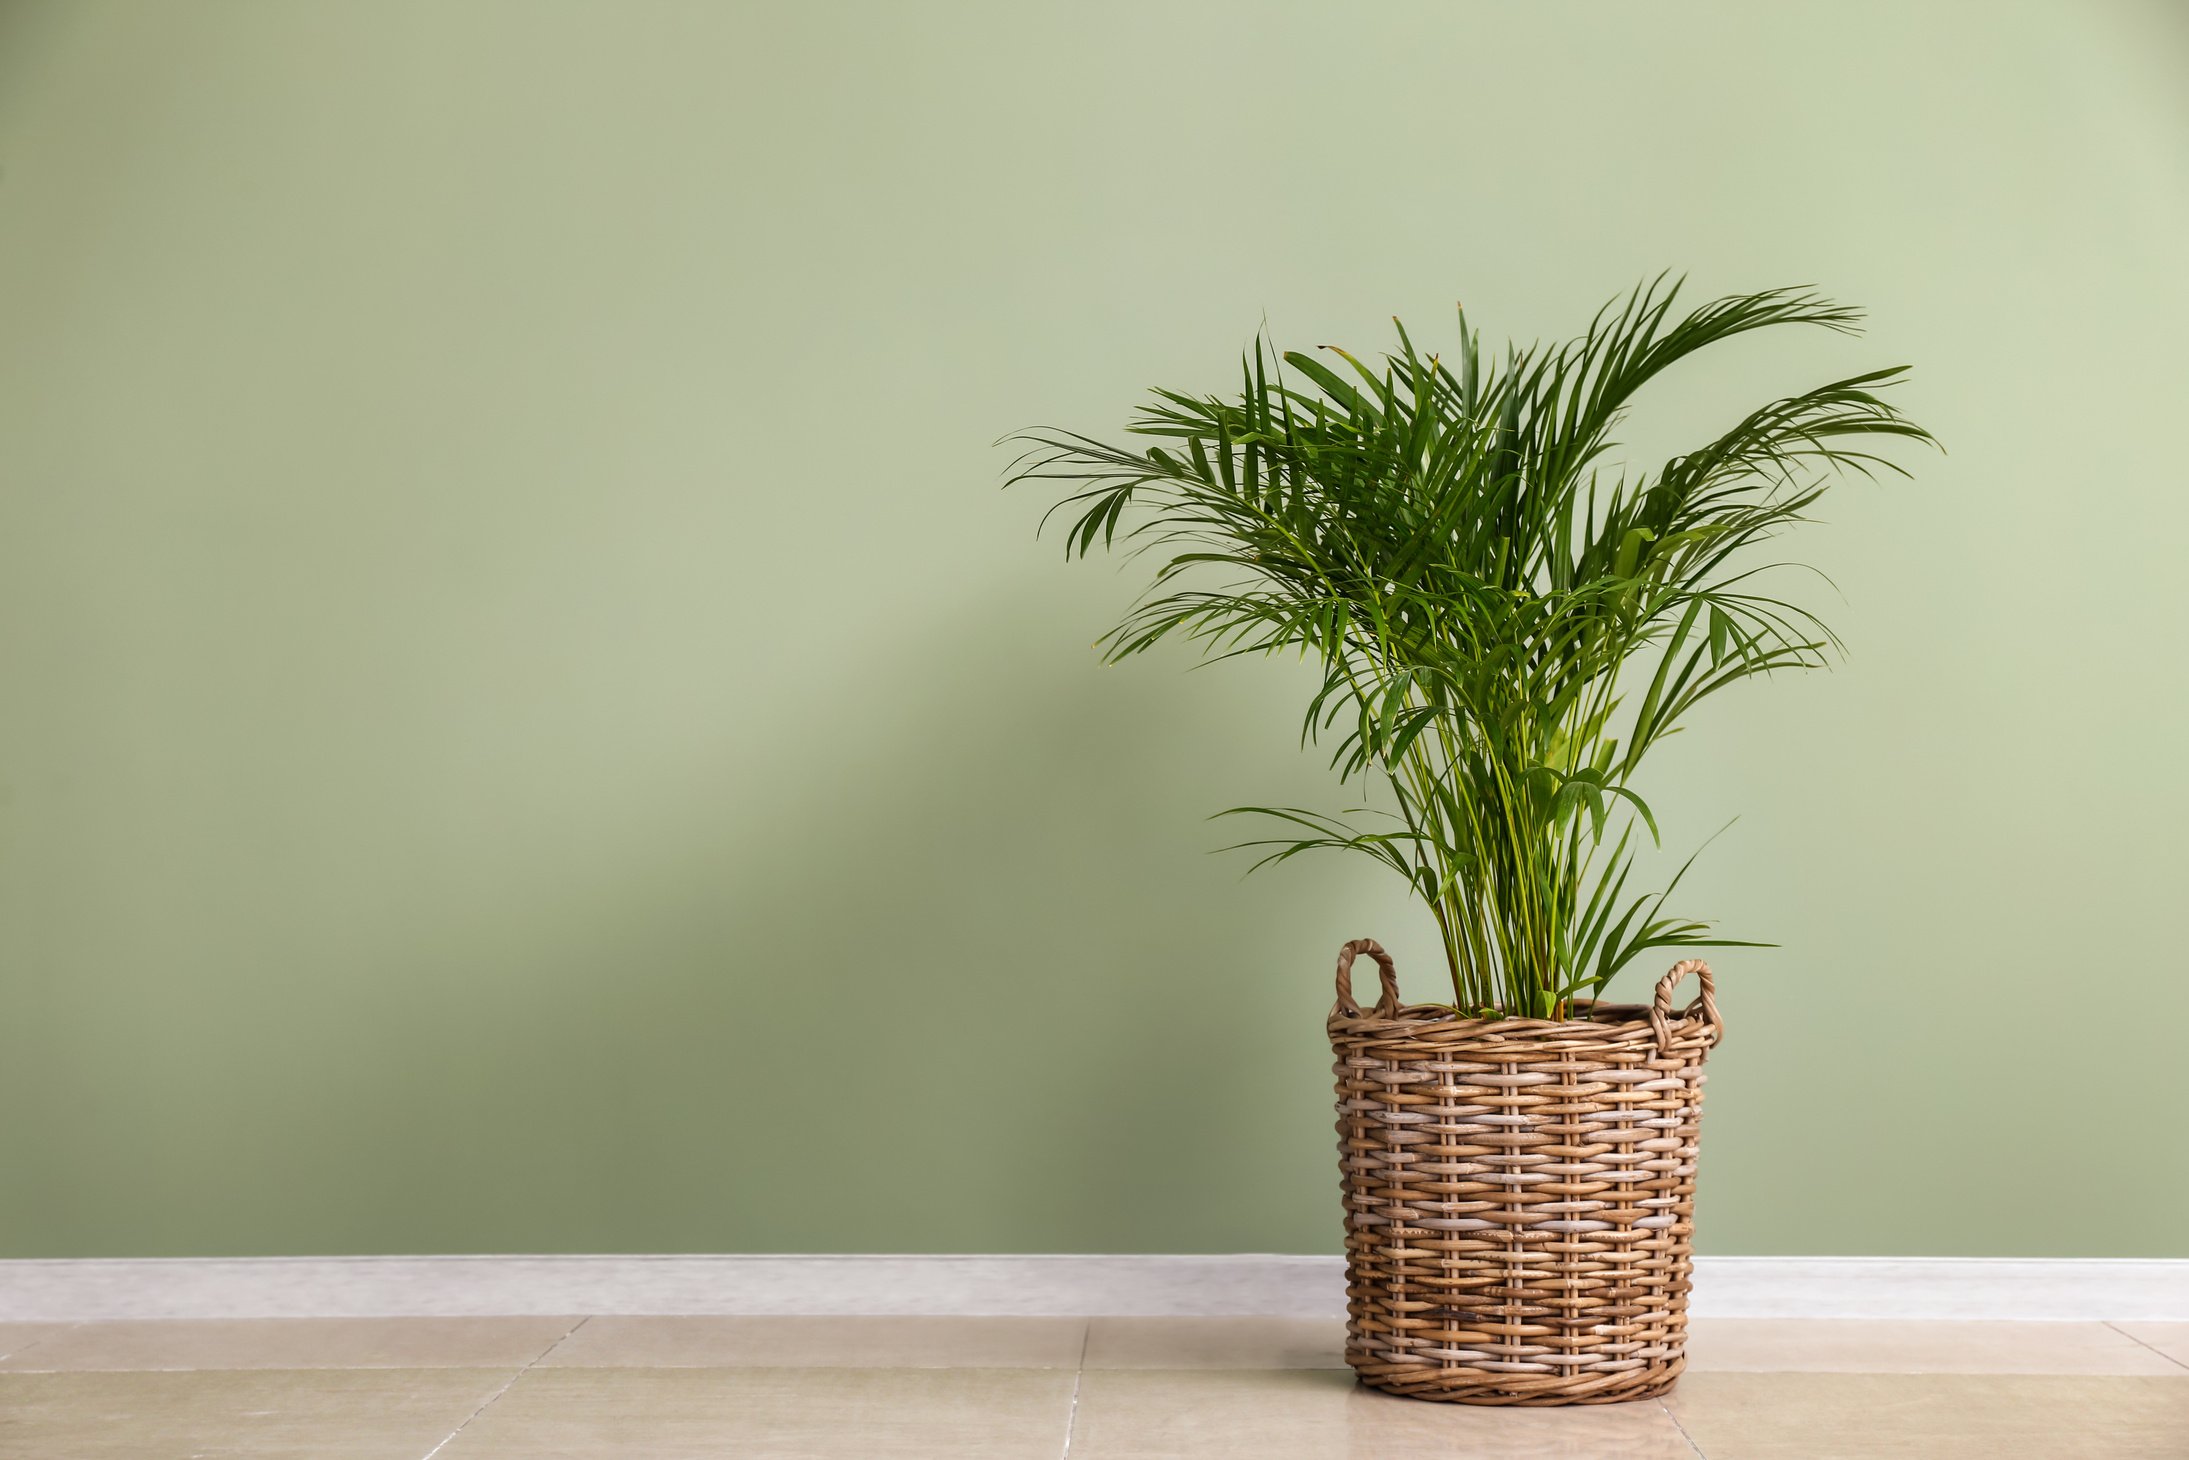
(527, 725)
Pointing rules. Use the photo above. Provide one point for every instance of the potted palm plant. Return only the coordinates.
(1505, 624)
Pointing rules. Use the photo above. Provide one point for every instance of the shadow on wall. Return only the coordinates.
(965, 989)
(962, 993)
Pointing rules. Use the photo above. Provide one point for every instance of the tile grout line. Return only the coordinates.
(66, 1330)
(1079, 1376)
(450, 1437)
(2162, 1353)
(1668, 1414)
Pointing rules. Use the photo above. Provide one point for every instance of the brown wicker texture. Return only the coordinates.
(1519, 1193)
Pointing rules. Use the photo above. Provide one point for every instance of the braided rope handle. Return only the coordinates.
(1387, 1006)
(1705, 1004)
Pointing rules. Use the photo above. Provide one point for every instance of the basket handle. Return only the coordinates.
(1705, 1003)
(1387, 1006)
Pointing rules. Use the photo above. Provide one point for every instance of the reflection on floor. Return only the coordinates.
(1044, 1388)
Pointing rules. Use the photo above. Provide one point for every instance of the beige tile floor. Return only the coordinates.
(1043, 1388)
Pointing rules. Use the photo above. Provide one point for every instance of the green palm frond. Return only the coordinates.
(1502, 631)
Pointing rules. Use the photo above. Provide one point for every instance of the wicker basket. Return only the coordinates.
(1519, 1193)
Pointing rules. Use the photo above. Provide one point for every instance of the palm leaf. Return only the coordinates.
(1504, 630)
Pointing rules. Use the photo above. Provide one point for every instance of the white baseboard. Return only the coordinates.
(79, 1289)
(2091, 1289)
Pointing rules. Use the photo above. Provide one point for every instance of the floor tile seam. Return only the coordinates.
(1666, 1410)
(507, 1385)
(1079, 1377)
(674, 1367)
(43, 1338)
(2162, 1353)
(388, 1368)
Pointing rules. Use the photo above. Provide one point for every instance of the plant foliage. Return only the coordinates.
(1504, 625)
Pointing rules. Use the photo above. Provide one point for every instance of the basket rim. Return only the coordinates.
(1414, 1016)
(1390, 1019)
(1601, 1026)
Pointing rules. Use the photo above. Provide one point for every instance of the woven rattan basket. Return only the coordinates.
(1519, 1193)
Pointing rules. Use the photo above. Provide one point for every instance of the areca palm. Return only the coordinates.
(1504, 625)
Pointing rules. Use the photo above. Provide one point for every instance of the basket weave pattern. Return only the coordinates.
(1519, 1193)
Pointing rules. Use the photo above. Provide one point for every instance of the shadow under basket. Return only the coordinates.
(1519, 1193)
